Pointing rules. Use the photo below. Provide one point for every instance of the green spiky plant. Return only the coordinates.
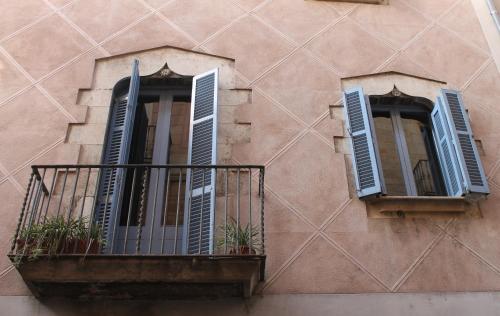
(238, 239)
(55, 236)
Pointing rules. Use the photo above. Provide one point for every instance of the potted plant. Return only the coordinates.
(238, 239)
(28, 238)
(59, 236)
(42, 238)
(84, 237)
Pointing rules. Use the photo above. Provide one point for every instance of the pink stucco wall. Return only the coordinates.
(292, 53)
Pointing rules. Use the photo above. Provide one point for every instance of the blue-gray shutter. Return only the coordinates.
(471, 169)
(445, 150)
(116, 151)
(200, 183)
(365, 167)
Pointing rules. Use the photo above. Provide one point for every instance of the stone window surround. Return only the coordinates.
(89, 132)
(85, 138)
(400, 206)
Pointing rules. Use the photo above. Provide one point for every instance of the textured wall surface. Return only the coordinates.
(292, 53)
(390, 304)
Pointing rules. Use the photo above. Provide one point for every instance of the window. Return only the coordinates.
(409, 146)
(402, 125)
(158, 120)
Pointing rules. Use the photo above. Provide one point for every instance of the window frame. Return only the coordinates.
(395, 112)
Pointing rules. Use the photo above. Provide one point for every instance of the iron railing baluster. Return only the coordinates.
(238, 211)
(21, 216)
(62, 192)
(226, 196)
(250, 210)
(165, 210)
(52, 186)
(72, 200)
(153, 211)
(261, 189)
(177, 211)
(141, 209)
(130, 205)
(38, 199)
(201, 211)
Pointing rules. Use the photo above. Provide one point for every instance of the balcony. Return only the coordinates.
(142, 231)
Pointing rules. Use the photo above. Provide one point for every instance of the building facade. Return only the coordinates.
(354, 146)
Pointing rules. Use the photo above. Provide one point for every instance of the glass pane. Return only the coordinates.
(151, 110)
(141, 152)
(415, 132)
(389, 157)
(178, 154)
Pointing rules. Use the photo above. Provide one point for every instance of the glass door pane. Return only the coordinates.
(391, 166)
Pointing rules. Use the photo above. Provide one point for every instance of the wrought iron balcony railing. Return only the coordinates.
(142, 210)
(423, 178)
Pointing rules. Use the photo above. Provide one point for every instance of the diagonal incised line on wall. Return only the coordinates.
(477, 73)
(420, 259)
(320, 231)
(9, 175)
(286, 147)
(34, 22)
(336, 73)
(7, 270)
(158, 13)
(436, 20)
(81, 55)
(290, 260)
(475, 254)
(35, 84)
(290, 207)
(284, 36)
(297, 47)
(336, 213)
(227, 26)
(256, 8)
(424, 254)
(78, 29)
(4, 171)
(10, 178)
(308, 130)
(56, 103)
(494, 184)
(42, 153)
(300, 135)
(353, 260)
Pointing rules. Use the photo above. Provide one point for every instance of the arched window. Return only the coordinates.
(410, 146)
(403, 129)
(155, 120)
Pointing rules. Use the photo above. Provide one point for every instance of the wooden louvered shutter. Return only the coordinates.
(364, 160)
(116, 151)
(445, 150)
(469, 163)
(200, 183)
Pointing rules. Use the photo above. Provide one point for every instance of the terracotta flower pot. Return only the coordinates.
(243, 250)
(28, 246)
(79, 246)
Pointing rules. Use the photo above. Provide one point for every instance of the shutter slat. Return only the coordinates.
(116, 151)
(469, 163)
(364, 156)
(444, 149)
(202, 151)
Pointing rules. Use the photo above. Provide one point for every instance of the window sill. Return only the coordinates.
(401, 206)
